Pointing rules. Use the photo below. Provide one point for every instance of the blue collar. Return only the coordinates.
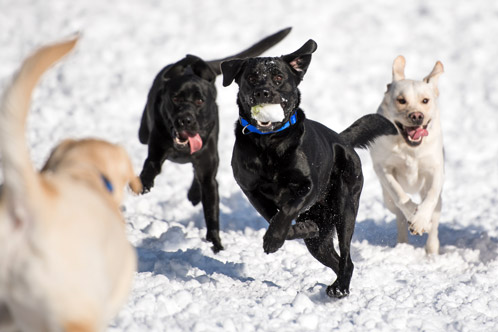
(107, 183)
(253, 129)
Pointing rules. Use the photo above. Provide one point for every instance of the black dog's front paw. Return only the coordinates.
(147, 182)
(214, 238)
(338, 291)
(272, 242)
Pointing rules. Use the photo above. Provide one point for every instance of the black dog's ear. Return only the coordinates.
(198, 66)
(201, 68)
(300, 59)
(230, 70)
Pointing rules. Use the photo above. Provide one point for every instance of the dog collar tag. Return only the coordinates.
(252, 129)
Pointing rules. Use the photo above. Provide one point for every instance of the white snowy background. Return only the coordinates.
(100, 91)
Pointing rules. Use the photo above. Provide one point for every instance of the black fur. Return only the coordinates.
(180, 113)
(307, 172)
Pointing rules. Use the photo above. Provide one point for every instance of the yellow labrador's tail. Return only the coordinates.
(20, 178)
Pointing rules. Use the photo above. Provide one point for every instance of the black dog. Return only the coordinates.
(295, 168)
(180, 123)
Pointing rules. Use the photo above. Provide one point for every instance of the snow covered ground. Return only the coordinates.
(100, 91)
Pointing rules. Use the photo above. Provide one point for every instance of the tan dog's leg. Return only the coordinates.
(399, 198)
(400, 217)
(432, 244)
(420, 221)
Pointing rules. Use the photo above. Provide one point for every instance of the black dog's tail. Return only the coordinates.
(366, 129)
(252, 51)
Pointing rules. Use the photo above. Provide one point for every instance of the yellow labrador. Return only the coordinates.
(411, 163)
(65, 261)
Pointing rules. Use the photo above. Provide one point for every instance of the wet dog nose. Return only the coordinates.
(184, 120)
(262, 95)
(417, 118)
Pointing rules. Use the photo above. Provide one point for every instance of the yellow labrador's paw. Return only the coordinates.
(420, 223)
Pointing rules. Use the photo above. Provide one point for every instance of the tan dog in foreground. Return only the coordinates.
(412, 163)
(65, 261)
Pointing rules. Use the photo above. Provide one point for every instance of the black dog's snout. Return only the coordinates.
(417, 118)
(184, 120)
(262, 95)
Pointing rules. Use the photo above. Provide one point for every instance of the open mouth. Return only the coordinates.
(265, 124)
(184, 139)
(413, 135)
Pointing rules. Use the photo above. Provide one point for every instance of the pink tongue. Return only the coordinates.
(417, 133)
(195, 143)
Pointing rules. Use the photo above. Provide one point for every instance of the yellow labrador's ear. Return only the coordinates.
(399, 68)
(434, 75)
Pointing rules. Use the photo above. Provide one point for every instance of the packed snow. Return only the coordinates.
(181, 285)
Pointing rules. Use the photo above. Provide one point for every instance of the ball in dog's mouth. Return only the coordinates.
(266, 114)
(413, 135)
(193, 140)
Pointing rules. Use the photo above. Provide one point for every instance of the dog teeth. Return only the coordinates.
(264, 124)
(181, 142)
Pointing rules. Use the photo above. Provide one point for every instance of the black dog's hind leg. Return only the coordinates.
(322, 246)
(345, 228)
(339, 215)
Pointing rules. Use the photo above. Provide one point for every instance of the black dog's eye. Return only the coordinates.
(199, 102)
(177, 99)
(252, 79)
(277, 79)
(401, 100)
(425, 100)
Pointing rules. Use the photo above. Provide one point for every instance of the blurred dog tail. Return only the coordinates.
(252, 51)
(20, 177)
(366, 129)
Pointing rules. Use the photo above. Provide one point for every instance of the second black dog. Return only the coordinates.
(180, 124)
(291, 168)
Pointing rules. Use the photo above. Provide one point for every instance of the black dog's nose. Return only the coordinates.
(417, 118)
(262, 95)
(184, 120)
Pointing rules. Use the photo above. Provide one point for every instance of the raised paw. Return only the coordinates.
(419, 223)
(147, 182)
(303, 230)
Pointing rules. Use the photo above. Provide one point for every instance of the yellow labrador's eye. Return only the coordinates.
(425, 100)
(401, 100)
